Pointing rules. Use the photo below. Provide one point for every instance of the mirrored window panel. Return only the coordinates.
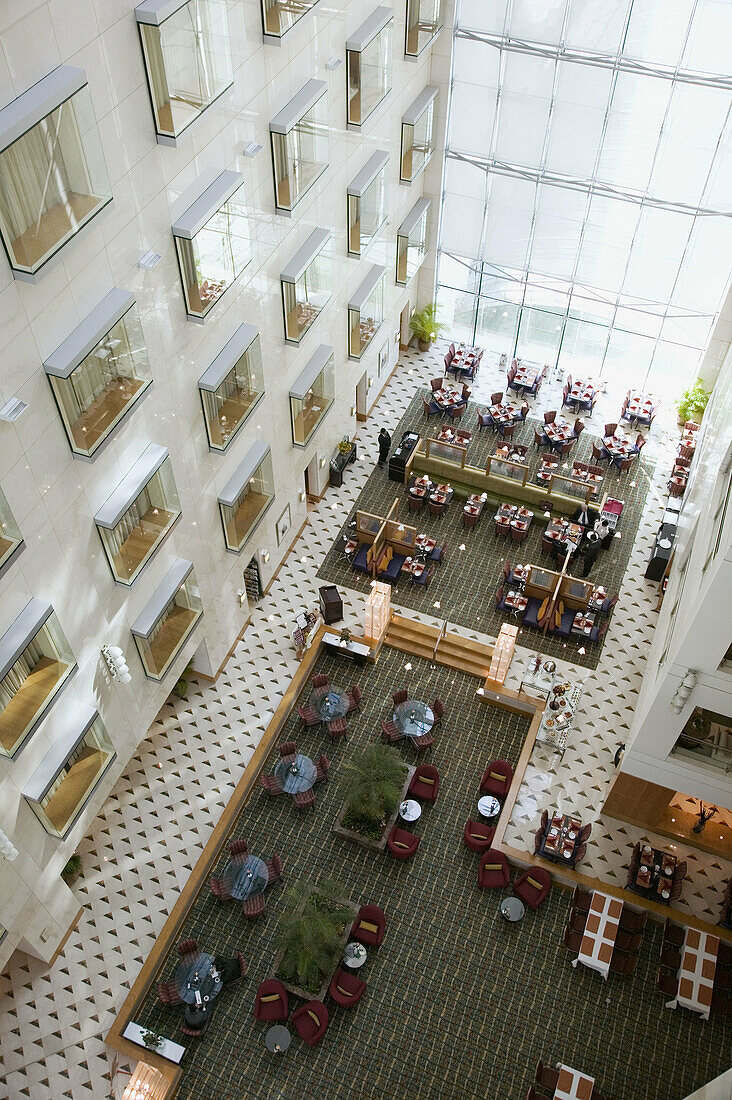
(300, 146)
(163, 627)
(187, 61)
(247, 496)
(366, 311)
(417, 135)
(278, 16)
(231, 387)
(53, 177)
(424, 21)
(65, 780)
(11, 540)
(95, 386)
(35, 662)
(368, 62)
(139, 514)
(312, 395)
(213, 243)
(307, 285)
(412, 242)
(368, 200)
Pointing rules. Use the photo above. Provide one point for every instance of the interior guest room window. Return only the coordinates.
(185, 45)
(307, 284)
(300, 147)
(212, 243)
(417, 135)
(232, 387)
(368, 55)
(35, 662)
(312, 395)
(368, 196)
(168, 619)
(11, 540)
(366, 311)
(99, 372)
(65, 780)
(246, 496)
(279, 16)
(423, 23)
(53, 178)
(412, 242)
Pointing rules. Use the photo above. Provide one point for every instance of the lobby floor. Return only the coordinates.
(141, 847)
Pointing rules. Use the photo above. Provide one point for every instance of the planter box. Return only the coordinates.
(364, 841)
(319, 995)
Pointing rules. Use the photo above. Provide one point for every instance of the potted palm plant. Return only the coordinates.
(376, 782)
(315, 922)
(692, 402)
(425, 326)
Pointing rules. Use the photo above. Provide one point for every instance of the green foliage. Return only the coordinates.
(693, 401)
(73, 867)
(181, 687)
(151, 1039)
(424, 323)
(312, 923)
(373, 783)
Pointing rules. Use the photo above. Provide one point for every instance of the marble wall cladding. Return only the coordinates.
(53, 494)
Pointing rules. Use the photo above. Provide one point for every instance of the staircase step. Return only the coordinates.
(453, 651)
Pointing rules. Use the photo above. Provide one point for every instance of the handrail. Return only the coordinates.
(440, 636)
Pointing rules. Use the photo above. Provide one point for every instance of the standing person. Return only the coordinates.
(384, 445)
(592, 549)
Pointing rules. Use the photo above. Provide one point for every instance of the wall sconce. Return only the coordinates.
(265, 556)
(322, 464)
(303, 496)
(149, 259)
(241, 596)
(370, 382)
(13, 409)
(7, 849)
(353, 410)
(333, 63)
(683, 691)
(116, 663)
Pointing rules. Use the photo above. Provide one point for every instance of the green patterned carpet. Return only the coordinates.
(459, 1003)
(465, 584)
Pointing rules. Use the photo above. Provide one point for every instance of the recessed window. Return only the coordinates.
(212, 242)
(412, 242)
(35, 662)
(417, 135)
(185, 45)
(53, 178)
(307, 285)
(161, 630)
(300, 151)
(279, 16)
(231, 387)
(368, 58)
(67, 776)
(247, 496)
(139, 514)
(11, 541)
(368, 199)
(424, 22)
(366, 311)
(99, 372)
(312, 395)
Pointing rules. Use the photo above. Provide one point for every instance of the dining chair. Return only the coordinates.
(470, 520)
(550, 417)
(390, 732)
(565, 397)
(600, 453)
(609, 429)
(425, 576)
(436, 384)
(579, 427)
(505, 430)
(274, 869)
(437, 509)
(503, 529)
(188, 947)
(288, 750)
(253, 906)
(400, 696)
(497, 398)
(271, 785)
(485, 420)
(220, 888)
(416, 504)
(337, 728)
(625, 463)
(456, 411)
(518, 535)
(540, 439)
(238, 850)
(572, 940)
(322, 767)
(304, 799)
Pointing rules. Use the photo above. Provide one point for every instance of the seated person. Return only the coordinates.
(585, 516)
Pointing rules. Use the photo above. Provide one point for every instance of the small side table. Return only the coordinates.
(489, 806)
(355, 956)
(410, 810)
(277, 1039)
(512, 908)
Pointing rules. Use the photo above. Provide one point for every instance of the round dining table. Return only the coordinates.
(246, 879)
(296, 775)
(414, 718)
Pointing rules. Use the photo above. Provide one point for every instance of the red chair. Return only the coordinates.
(477, 836)
(219, 888)
(309, 716)
(546, 1077)
(322, 767)
(320, 680)
(238, 850)
(390, 732)
(272, 785)
(253, 906)
(423, 742)
(668, 984)
(572, 940)
(581, 899)
(354, 698)
(304, 799)
(425, 782)
(288, 749)
(187, 947)
(400, 696)
(337, 728)
(168, 993)
(438, 709)
(274, 869)
(402, 844)
(369, 926)
(493, 872)
(346, 989)
(271, 1001)
(497, 779)
(533, 886)
(674, 934)
(311, 1022)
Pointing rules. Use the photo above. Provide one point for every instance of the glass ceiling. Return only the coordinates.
(587, 207)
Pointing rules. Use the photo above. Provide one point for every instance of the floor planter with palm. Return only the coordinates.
(376, 783)
(425, 326)
(315, 924)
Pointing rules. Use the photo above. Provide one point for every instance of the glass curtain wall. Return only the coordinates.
(364, 322)
(188, 63)
(240, 518)
(304, 300)
(132, 541)
(74, 783)
(226, 408)
(587, 214)
(164, 641)
(278, 16)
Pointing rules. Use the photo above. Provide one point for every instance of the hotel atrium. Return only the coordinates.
(365, 549)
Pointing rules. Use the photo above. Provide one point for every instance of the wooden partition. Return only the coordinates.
(440, 449)
(367, 526)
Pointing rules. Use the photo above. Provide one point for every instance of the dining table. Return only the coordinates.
(583, 623)
(441, 494)
(425, 544)
(597, 598)
(561, 838)
(475, 503)
(573, 1084)
(559, 432)
(583, 474)
(696, 973)
(526, 376)
(655, 874)
(449, 435)
(515, 601)
(414, 718)
(413, 566)
(582, 391)
(564, 530)
(601, 930)
(246, 878)
(505, 413)
(330, 704)
(619, 446)
(296, 775)
(448, 398)
(639, 404)
(197, 979)
(464, 358)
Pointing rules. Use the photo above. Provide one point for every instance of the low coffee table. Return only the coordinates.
(277, 1039)
(489, 806)
(512, 909)
(355, 956)
(410, 810)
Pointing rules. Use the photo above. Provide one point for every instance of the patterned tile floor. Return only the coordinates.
(143, 844)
